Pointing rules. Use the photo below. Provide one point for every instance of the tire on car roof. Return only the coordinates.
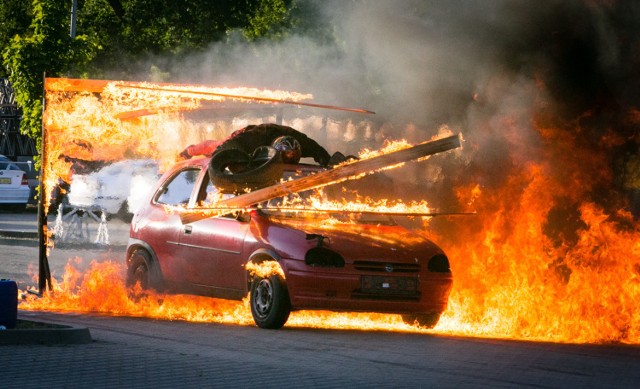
(235, 171)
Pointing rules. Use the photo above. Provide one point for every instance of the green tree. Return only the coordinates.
(279, 19)
(15, 18)
(45, 48)
(130, 31)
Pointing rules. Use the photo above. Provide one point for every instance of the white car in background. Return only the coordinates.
(14, 187)
(117, 189)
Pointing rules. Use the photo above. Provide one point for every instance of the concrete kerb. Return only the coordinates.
(44, 334)
(19, 238)
(18, 234)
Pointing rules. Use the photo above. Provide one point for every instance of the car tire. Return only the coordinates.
(261, 169)
(141, 269)
(427, 320)
(269, 300)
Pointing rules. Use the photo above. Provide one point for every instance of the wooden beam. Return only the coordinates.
(74, 85)
(328, 177)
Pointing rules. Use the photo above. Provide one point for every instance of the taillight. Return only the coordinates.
(24, 180)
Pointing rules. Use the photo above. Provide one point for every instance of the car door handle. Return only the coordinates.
(188, 229)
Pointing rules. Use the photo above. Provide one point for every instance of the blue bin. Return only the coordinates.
(8, 303)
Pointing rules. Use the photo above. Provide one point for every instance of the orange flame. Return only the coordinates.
(85, 119)
(516, 275)
(100, 289)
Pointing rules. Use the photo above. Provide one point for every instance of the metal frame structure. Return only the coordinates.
(12, 142)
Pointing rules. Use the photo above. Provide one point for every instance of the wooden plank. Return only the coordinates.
(341, 173)
(250, 98)
(52, 84)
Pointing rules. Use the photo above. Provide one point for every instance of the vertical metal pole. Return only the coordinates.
(44, 274)
(74, 11)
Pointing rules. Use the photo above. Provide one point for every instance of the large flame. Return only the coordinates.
(543, 259)
(552, 254)
(101, 289)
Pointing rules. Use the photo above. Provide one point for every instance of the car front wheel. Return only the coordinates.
(269, 300)
(140, 269)
(428, 320)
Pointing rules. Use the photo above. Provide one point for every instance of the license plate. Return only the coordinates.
(5, 180)
(378, 284)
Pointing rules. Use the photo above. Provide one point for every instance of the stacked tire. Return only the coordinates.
(235, 171)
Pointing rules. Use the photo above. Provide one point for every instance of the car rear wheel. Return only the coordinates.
(428, 320)
(269, 300)
(141, 270)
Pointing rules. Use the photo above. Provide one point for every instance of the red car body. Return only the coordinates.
(372, 265)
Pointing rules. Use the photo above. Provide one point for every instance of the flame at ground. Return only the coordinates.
(517, 273)
(514, 281)
(101, 289)
(552, 254)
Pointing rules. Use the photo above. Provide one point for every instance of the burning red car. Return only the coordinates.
(338, 262)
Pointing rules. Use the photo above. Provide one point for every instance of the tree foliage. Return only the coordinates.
(15, 18)
(130, 31)
(45, 48)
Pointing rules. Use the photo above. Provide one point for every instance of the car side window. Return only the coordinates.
(4, 163)
(210, 195)
(7, 164)
(178, 189)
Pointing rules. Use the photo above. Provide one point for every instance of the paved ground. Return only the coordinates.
(20, 249)
(131, 352)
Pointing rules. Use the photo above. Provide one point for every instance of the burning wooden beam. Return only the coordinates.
(328, 177)
(74, 85)
(97, 86)
(44, 273)
(251, 98)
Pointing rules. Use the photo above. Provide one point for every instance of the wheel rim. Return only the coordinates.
(141, 275)
(263, 297)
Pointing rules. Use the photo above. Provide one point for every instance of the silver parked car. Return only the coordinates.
(14, 187)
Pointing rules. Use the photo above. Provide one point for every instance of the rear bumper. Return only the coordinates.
(341, 289)
(14, 195)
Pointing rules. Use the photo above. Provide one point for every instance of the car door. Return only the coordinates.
(163, 227)
(212, 249)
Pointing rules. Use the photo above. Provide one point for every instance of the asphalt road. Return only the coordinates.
(134, 352)
(140, 352)
(20, 251)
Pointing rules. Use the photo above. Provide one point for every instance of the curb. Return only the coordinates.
(46, 334)
(18, 234)
(19, 238)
